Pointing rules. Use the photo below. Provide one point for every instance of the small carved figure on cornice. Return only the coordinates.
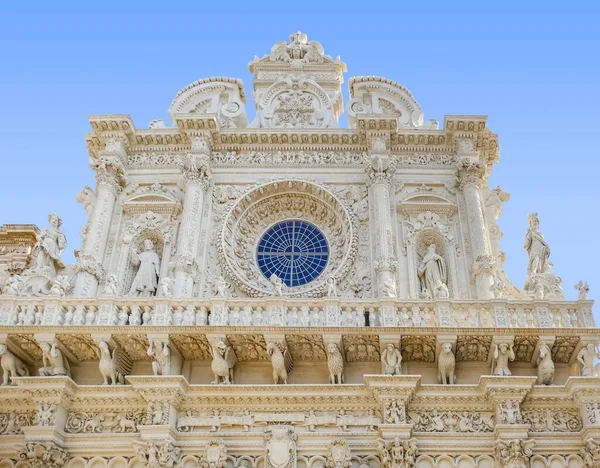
(221, 288)
(446, 365)
(11, 365)
(114, 366)
(335, 363)
(545, 366)
(281, 360)
(586, 359)
(14, 286)
(432, 271)
(159, 351)
(54, 361)
(223, 361)
(50, 243)
(298, 49)
(146, 279)
(60, 286)
(111, 287)
(494, 203)
(583, 290)
(391, 360)
(502, 354)
(165, 286)
(397, 453)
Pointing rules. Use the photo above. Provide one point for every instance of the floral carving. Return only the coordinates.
(43, 455)
(563, 348)
(524, 348)
(82, 346)
(361, 348)
(514, 453)
(13, 422)
(418, 348)
(552, 420)
(473, 348)
(249, 347)
(451, 421)
(307, 347)
(192, 347)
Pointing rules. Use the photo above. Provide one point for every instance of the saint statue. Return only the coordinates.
(50, 242)
(432, 271)
(146, 280)
(537, 248)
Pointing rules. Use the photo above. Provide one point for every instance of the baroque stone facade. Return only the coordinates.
(288, 293)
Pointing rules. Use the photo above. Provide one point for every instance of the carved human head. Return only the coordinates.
(148, 245)
(534, 221)
(503, 348)
(54, 220)
(391, 347)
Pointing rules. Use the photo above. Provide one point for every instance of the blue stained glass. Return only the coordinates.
(294, 250)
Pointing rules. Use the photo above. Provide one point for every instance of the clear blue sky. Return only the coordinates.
(531, 66)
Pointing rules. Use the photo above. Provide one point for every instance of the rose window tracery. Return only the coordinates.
(253, 239)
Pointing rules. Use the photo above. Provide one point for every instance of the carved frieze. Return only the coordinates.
(307, 347)
(418, 348)
(524, 348)
(81, 346)
(361, 348)
(473, 348)
(136, 346)
(451, 421)
(552, 420)
(249, 347)
(13, 422)
(192, 347)
(83, 422)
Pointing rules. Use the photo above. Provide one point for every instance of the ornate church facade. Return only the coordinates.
(286, 293)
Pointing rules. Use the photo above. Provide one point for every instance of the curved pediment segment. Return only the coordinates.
(216, 95)
(377, 95)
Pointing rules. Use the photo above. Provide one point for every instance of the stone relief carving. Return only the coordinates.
(281, 360)
(223, 361)
(473, 348)
(391, 360)
(509, 412)
(43, 455)
(11, 366)
(502, 354)
(545, 366)
(306, 347)
(451, 421)
(397, 453)
(13, 422)
(591, 453)
(45, 414)
(394, 412)
(418, 348)
(299, 48)
(114, 366)
(280, 448)
(292, 158)
(361, 348)
(583, 290)
(514, 453)
(552, 420)
(592, 411)
(53, 360)
(157, 413)
(338, 454)
(335, 363)
(215, 455)
(446, 364)
(162, 455)
(91, 422)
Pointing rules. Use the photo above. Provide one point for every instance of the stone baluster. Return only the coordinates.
(196, 172)
(380, 171)
(110, 180)
(471, 175)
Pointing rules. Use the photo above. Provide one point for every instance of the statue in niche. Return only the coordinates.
(146, 279)
(432, 272)
(50, 243)
(536, 247)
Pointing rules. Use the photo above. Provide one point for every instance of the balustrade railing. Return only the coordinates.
(294, 312)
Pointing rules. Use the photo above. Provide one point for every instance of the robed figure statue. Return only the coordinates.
(51, 241)
(537, 248)
(146, 280)
(432, 272)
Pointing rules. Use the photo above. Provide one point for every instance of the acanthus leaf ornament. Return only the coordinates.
(514, 453)
(43, 455)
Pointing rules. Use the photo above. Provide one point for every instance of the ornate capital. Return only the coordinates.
(470, 172)
(43, 455)
(514, 453)
(380, 170)
(591, 453)
(163, 455)
(398, 453)
(196, 169)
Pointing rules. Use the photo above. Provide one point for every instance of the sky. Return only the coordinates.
(532, 67)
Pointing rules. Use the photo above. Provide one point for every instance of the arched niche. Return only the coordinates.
(97, 462)
(118, 462)
(77, 462)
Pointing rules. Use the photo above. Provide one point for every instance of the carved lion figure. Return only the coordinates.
(11, 365)
(335, 362)
(446, 365)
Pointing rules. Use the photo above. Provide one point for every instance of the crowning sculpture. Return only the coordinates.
(367, 258)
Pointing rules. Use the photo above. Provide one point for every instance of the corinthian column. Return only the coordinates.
(110, 180)
(380, 171)
(196, 172)
(471, 175)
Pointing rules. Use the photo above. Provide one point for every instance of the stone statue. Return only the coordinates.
(221, 287)
(113, 367)
(50, 243)
(583, 289)
(224, 360)
(146, 278)
(161, 354)
(331, 287)
(432, 271)
(536, 247)
(60, 286)
(446, 365)
(14, 286)
(281, 360)
(335, 363)
(391, 360)
(545, 366)
(277, 284)
(494, 203)
(165, 286)
(11, 365)
(441, 291)
(111, 287)
(586, 358)
(87, 198)
(54, 361)
(389, 287)
(497, 288)
(502, 354)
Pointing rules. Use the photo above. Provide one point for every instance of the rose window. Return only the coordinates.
(294, 250)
